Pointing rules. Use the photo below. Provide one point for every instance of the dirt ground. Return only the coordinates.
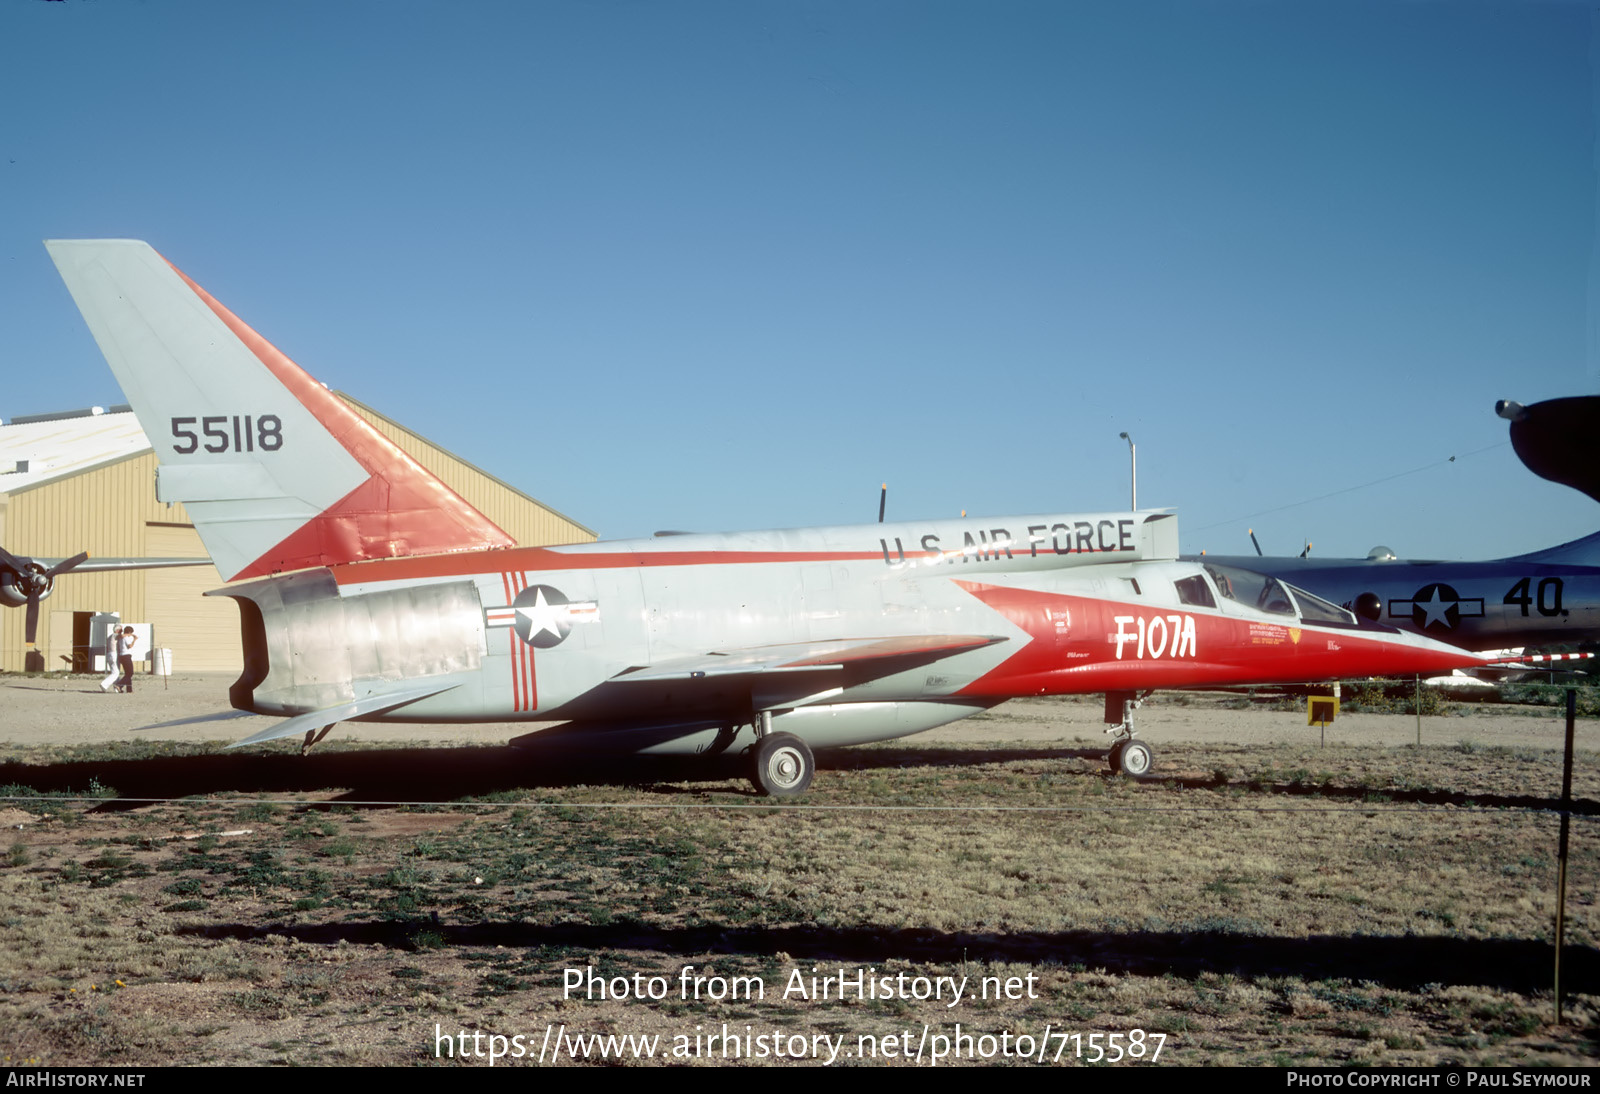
(38, 710)
(1264, 902)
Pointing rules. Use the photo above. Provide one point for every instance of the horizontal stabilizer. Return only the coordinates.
(372, 704)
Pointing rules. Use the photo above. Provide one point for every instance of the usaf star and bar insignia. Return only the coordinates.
(542, 615)
(1437, 608)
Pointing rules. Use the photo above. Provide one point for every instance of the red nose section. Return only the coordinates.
(1079, 644)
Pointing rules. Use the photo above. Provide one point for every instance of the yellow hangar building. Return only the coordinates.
(85, 481)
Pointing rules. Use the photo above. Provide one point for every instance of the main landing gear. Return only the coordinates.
(1128, 756)
(782, 764)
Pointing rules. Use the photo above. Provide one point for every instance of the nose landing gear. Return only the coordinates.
(1128, 756)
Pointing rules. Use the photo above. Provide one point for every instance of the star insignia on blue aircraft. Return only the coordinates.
(1437, 608)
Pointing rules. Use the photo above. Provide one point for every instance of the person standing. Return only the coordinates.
(125, 659)
(113, 658)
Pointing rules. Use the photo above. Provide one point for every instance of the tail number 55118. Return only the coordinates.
(245, 435)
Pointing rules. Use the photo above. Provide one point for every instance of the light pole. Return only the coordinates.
(1133, 458)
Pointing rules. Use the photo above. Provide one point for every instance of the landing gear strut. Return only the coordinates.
(313, 736)
(1128, 756)
(782, 763)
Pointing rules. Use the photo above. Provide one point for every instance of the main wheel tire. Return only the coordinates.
(1137, 759)
(783, 766)
(1114, 758)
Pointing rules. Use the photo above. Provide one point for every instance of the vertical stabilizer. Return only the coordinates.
(276, 472)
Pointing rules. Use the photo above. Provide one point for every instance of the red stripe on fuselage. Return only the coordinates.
(516, 682)
(530, 677)
(524, 680)
(538, 559)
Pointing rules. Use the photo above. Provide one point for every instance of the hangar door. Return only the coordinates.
(202, 631)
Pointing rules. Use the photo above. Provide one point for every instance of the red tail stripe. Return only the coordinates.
(402, 509)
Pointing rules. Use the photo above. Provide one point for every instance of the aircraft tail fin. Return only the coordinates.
(275, 470)
(1580, 552)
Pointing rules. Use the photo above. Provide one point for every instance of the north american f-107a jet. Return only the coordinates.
(369, 591)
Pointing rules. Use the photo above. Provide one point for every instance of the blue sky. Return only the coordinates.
(731, 265)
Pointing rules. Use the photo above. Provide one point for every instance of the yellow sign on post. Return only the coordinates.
(1320, 710)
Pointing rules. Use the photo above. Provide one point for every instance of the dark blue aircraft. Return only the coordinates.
(1544, 599)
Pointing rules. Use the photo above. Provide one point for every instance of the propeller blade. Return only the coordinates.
(67, 564)
(31, 626)
(883, 499)
(1253, 540)
(11, 561)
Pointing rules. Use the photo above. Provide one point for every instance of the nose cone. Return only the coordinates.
(1403, 654)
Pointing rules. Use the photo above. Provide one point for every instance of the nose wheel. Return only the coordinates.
(783, 765)
(1133, 758)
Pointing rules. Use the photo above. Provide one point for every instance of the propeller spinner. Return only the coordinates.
(24, 582)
